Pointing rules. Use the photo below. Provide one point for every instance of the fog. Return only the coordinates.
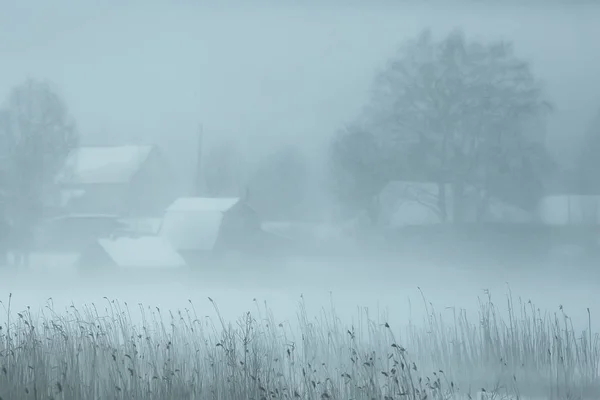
(269, 75)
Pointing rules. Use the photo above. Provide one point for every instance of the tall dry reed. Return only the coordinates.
(84, 353)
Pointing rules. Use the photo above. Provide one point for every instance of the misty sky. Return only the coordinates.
(266, 74)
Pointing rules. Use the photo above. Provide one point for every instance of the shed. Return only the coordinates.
(146, 252)
(130, 180)
(198, 226)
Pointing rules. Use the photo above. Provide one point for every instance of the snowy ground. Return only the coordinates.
(390, 287)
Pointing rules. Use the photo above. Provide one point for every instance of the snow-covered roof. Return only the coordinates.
(142, 252)
(187, 204)
(103, 164)
(193, 223)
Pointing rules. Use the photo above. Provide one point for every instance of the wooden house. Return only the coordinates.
(129, 181)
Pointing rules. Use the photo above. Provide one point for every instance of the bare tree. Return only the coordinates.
(464, 108)
(37, 133)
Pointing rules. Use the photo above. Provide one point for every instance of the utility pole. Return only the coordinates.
(198, 179)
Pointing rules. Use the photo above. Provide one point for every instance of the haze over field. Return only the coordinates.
(256, 79)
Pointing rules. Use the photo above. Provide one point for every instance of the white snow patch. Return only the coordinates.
(142, 252)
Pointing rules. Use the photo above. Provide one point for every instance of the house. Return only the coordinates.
(124, 253)
(130, 181)
(199, 226)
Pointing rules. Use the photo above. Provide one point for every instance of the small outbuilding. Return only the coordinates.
(199, 227)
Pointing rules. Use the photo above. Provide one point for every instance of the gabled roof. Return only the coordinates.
(193, 223)
(103, 164)
(142, 252)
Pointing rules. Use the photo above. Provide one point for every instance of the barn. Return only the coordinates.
(200, 227)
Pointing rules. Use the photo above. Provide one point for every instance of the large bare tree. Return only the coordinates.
(469, 114)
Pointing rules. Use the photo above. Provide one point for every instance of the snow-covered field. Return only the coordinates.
(322, 302)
